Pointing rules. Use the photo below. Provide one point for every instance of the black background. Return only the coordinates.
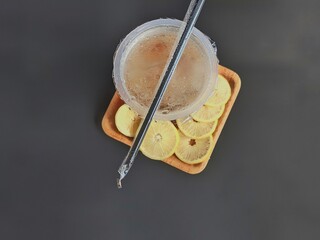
(58, 169)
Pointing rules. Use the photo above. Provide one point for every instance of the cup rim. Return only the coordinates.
(122, 52)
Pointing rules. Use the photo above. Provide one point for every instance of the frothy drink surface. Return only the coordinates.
(145, 63)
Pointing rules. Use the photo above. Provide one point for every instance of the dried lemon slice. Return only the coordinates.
(221, 93)
(160, 141)
(194, 129)
(208, 114)
(127, 121)
(194, 151)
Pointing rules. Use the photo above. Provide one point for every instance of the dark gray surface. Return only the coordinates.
(58, 169)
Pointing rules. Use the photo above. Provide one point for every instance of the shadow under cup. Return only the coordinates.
(146, 83)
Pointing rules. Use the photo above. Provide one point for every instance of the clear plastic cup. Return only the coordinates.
(132, 38)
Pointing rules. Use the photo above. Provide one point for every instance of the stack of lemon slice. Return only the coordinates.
(191, 141)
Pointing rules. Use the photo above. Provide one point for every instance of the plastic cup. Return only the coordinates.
(133, 38)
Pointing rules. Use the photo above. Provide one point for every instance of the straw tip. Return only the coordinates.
(119, 185)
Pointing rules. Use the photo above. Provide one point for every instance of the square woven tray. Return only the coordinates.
(109, 127)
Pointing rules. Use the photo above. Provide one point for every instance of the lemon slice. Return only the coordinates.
(160, 141)
(127, 121)
(194, 151)
(194, 129)
(208, 114)
(221, 93)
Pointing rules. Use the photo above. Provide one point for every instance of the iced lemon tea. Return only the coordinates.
(146, 61)
(142, 64)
